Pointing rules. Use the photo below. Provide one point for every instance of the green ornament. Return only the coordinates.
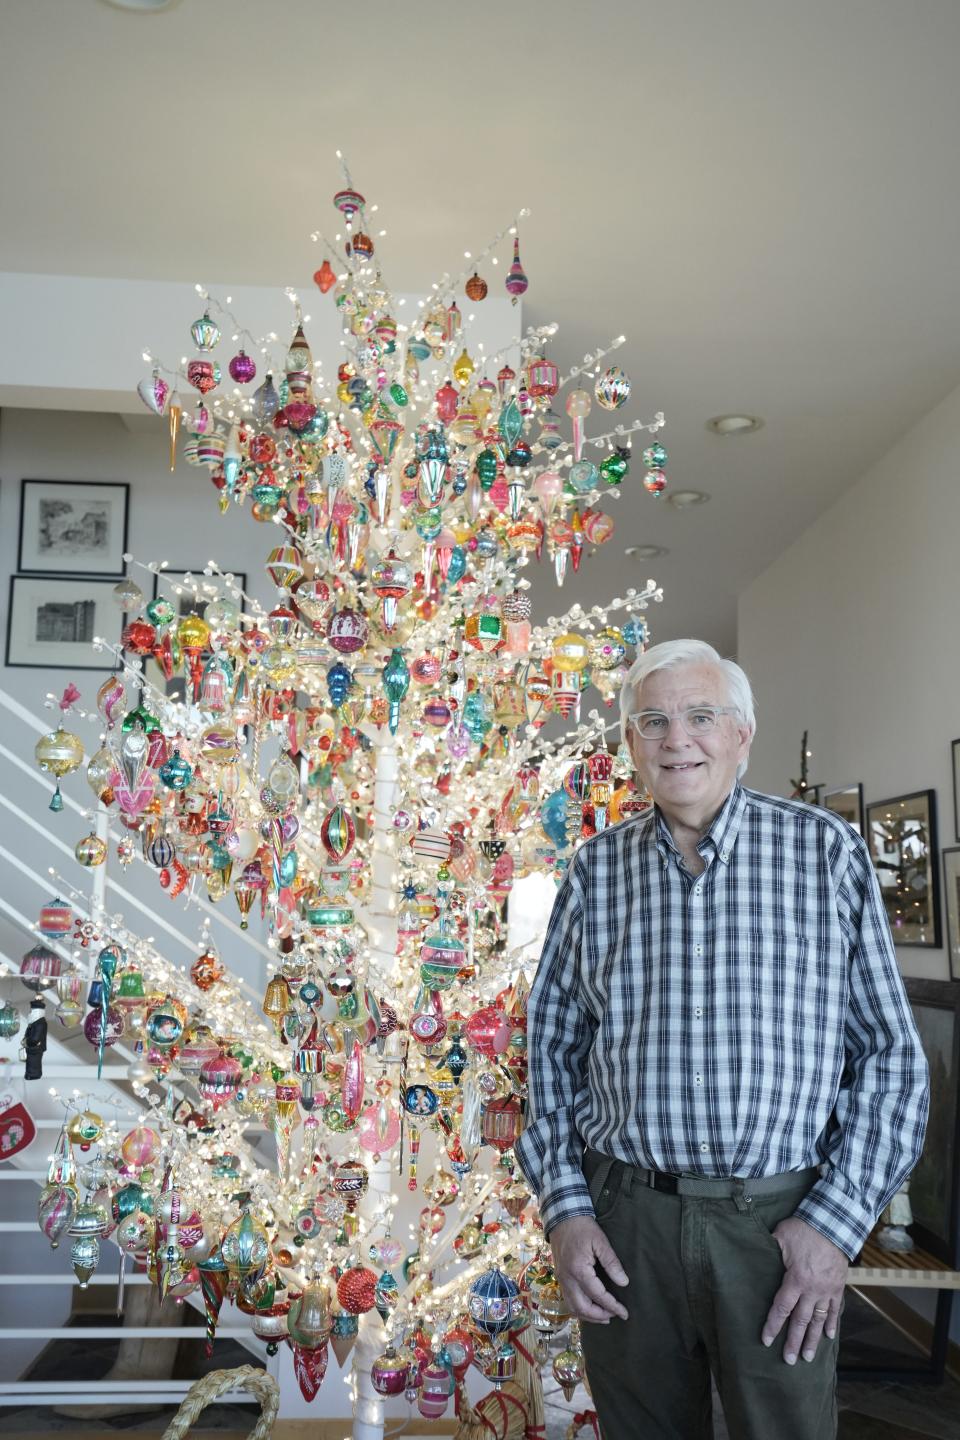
(487, 468)
(161, 613)
(398, 395)
(613, 469)
(336, 1118)
(142, 717)
(511, 423)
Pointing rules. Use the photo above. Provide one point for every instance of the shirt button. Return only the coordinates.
(698, 949)
(699, 1079)
(698, 1012)
(697, 889)
(724, 854)
(704, 1147)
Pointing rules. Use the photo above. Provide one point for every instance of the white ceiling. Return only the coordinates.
(760, 193)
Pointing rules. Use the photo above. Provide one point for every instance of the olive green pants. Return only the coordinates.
(703, 1271)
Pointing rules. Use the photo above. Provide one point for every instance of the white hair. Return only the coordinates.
(671, 653)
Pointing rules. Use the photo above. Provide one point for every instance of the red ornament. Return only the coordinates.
(356, 1290)
(325, 277)
(140, 637)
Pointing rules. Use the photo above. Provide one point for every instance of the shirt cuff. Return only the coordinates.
(829, 1209)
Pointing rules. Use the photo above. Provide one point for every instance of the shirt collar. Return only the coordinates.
(719, 840)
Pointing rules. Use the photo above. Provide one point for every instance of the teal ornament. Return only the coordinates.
(510, 424)
(476, 716)
(386, 1294)
(56, 800)
(288, 868)
(429, 525)
(553, 818)
(9, 1021)
(418, 348)
(458, 565)
(396, 683)
(205, 332)
(317, 428)
(655, 456)
(220, 859)
(176, 773)
(487, 468)
(583, 476)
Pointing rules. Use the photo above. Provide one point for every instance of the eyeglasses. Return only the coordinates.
(698, 720)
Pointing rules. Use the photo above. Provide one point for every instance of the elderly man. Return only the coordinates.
(726, 1085)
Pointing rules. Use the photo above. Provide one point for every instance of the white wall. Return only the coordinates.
(852, 633)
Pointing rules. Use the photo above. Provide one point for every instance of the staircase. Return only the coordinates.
(37, 1284)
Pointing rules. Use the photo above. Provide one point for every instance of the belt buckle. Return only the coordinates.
(665, 1184)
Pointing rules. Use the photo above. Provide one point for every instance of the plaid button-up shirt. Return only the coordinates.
(745, 1021)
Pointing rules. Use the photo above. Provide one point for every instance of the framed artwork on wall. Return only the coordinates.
(902, 837)
(955, 751)
(847, 802)
(70, 527)
(934, 1196)
(188, 591)
(951, 889)
(52, 621)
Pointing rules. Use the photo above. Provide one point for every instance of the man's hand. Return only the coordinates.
(811, 1292)
(578, 1246)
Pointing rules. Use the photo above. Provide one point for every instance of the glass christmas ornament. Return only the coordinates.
(476, 288)
(206, 970)
(325, 278)
(391, 579)
(396, 682)
(597, 527)
(59, 753)
(203, 375)
(654, 456)
(128, 595)
(242, 368)
(40, 967)
(582, 476)
(220, 1077)
(442, 957)
(612, 388)
(205, 332)
(436, 1387)
(570, 651)
(348, 631)
(245, 1247)
(613, 468)
(516, 281)
(154, 393)
(543, 378)
(654, 482)
(91, 851)
(494, 1302)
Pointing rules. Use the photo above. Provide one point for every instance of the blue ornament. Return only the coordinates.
(494, 1301)
(339, 681)
(635, 631)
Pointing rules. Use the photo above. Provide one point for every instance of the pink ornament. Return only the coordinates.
(488, 1030)
(154, 393)
(242, 368)
(516, 281)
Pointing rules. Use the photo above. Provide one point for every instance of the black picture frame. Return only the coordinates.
(951, 897)
(955, 753)
(73, 556)
(901, 834)
(934, 1188)
(65, 591)
(847, 802)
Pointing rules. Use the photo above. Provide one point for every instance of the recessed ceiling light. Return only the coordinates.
(144, 7)
(734, 424)
(646, 552)
(683, 499)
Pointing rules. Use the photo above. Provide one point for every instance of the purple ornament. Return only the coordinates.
(242, 368)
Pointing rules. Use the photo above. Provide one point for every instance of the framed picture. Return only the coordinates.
(955, 751)
(902, 836)
(69, 527)
(190, 590)
(933, 1185)
(951, 887)
(847, 802)
(52, 621)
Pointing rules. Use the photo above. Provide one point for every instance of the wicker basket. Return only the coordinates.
(203, 1392)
